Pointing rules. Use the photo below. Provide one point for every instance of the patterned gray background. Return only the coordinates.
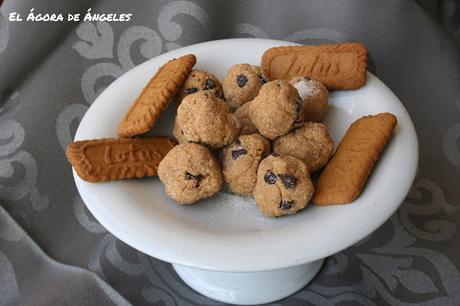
(53, 252)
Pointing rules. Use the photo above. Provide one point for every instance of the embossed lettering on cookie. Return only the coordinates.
(337, 66)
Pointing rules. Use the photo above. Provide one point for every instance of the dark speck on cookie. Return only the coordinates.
(237, 153)
(270, 177)
(241, 80)
(197, 178)
(286, 205)
(209, 84)
(262, 79)
(289, 181)
(191, 90)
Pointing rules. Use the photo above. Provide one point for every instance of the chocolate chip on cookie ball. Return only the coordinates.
(261, 74)
(276, 110)
(200, 80)
(283, 186)
(310, 143)
(242, 84)
(241, 160)
(204, 118)
(315, 98)
(190, 173)
(242, 114)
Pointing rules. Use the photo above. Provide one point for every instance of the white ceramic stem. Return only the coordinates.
(251, 287)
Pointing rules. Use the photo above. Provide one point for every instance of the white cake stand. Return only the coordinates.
(223, 247)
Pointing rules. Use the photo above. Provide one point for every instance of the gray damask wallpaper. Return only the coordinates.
(53, 252)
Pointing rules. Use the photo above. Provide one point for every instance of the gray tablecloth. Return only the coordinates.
(53, 252)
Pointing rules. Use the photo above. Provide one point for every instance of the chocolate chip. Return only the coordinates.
(191, 90)
(189, 176)
(289, 181)
(262, 79)
(237, 153)
(209, 84)
(241, 80)
(197, 178)
(285, 205)
(238, 142)
(306, 78)
(270, 177)
(182, 132)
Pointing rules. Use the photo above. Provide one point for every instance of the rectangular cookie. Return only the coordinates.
(110, 159)
(154, 98)
(343, 179)
(337, 66)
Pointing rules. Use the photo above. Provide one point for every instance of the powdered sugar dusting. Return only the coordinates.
(306, 89)
(242, 207)
(236, 203)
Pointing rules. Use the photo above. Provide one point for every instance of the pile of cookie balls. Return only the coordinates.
(262, 138)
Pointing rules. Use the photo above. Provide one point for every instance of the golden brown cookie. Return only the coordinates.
(283, 186)
(110, 159)
(310, 143)
(242, 84)
(205, 119)
(344, 177)
(240, 162)
(276, 110)
(200, 80)
(337, 66)
(190, 173)
(154, 98)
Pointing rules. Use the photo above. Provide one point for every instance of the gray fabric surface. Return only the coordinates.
(53, 252)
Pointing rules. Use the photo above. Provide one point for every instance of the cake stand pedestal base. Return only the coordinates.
(249, 288)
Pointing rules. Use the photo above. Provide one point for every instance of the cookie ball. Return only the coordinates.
(276, 110)
(242, 114)
(283, 186)
(242, 84)
(314, 96)
(241, 160)
(200, 80)
(190, 173)
(311, 143)
(206, 119)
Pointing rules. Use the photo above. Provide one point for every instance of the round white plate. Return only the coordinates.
(227, 232)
